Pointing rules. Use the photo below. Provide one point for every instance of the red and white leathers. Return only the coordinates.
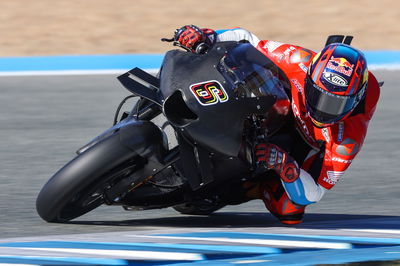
(334, 147)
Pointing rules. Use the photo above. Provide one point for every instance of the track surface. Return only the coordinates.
(45, 119)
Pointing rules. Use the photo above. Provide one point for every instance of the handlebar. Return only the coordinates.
(200, 48)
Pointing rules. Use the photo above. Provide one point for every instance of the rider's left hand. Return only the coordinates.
(278, 160)
(189, 36)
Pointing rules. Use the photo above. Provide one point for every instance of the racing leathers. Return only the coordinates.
(330, 149)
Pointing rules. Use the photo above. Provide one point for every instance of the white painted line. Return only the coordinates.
(249, 261)
(268, 242)
(127, 254)
(17, 264)
(380, 231)
(384, 67)
(63, 72)
(69, 72)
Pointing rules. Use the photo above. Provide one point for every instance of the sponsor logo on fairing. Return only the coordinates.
(333, 177)
(335, 79)
(209, 92)
(340, 65)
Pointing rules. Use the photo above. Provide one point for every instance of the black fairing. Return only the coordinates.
(217, 126)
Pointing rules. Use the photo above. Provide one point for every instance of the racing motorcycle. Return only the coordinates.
(188, 141)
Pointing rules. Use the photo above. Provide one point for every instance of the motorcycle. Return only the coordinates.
(187, 143)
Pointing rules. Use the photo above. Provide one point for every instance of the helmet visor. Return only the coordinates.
(326, 107)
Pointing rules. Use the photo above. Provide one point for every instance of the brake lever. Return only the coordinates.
(178, 44)
(175, 43)
(201, 48)
(168, 40)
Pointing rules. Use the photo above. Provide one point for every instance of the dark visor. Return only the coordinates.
(326, 107)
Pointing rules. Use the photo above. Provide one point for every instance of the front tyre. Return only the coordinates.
(79, 186)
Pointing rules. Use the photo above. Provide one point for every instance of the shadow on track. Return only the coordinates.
(258, 220)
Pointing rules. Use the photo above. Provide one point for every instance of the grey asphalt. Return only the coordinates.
(45, 119)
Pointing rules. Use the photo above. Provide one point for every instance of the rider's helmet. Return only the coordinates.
(335, 83)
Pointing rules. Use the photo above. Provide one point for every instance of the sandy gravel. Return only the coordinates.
(48, 27)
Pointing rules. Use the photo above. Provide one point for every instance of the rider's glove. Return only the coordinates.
(195, 39)
(274, 158)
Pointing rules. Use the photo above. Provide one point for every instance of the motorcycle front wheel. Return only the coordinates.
(80, 185)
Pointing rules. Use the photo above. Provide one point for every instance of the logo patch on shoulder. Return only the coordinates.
(301, 55)
(209, 92)
(272, 45)
(348, 147)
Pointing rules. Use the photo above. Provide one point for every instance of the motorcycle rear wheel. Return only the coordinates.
(191, 209)
(79, 186)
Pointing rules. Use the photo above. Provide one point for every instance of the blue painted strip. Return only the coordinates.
(295, 257)
(303, 258)
(335, 256)
(167, 247)
(382, 57)
(129, 61)
(60, 260)
(80, 62)
(342, 239)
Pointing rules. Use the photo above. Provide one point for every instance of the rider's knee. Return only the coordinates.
(279, 204)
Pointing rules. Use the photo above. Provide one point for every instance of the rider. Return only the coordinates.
(333, 97)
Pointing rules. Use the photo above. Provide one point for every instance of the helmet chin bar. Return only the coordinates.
(322, 125)
(318, 124)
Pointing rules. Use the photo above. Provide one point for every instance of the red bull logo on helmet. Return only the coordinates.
(340, 65)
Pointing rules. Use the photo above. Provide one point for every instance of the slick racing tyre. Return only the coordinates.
(80, 185)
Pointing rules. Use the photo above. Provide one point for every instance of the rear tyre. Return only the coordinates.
(201, 209)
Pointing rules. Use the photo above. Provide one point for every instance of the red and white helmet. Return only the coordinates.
(335, 83)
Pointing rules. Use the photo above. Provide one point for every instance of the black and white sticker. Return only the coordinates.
(335, 79)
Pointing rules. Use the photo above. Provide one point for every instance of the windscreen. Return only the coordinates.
(249, 79)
